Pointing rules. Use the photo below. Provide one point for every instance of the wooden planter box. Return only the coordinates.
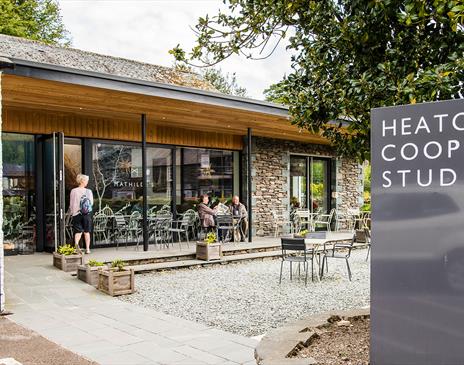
(209, 252)
(89, 274)
(114, 282)
(67, 263)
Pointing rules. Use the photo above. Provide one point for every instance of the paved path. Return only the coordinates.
(106, 330)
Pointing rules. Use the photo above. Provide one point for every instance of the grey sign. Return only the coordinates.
(417, 285)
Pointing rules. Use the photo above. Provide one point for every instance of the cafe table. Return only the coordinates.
(318, 242)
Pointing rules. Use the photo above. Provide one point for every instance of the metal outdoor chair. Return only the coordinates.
(324, 220)
(121, 229)
(180, 226)
(343, 221)
(280, 222)
(158, 229)
(107, 211)
(294, 251)
(340, 250)
(225, 227)
(134, 229)
(100, 223)
(367, 232)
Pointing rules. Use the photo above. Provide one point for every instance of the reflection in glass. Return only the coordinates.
(18, 192)
(203, 171)
(319, 185)
(298, 168)
(159, 162)
(117, 174)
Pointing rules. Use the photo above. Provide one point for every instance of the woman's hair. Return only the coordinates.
(80, 178)
(202, 196)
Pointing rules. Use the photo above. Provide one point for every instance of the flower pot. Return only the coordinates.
(89, 274)
(67, 263)
(208, 252)
(113, 282)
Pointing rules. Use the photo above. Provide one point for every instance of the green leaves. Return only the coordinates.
(34, 19)
(349, 56)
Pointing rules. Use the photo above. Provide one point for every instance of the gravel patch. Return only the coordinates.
(246, 298)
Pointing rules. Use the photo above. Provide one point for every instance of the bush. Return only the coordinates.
(94, 263)
(67, 250)
(118, 264)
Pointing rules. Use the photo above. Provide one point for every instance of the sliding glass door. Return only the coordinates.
(310, 183)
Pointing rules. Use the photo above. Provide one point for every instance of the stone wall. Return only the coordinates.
(271, 176)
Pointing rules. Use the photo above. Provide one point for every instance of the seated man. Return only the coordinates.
(239, 211)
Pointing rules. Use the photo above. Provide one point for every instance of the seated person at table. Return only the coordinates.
(238, 210)
(206, 213)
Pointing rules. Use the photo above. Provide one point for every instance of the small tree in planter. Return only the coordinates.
(89, 272)
(209, 249)
(67, 258)
(116, 280)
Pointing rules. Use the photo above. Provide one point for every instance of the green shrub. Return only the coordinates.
(94, 263)
(67, 250)
(118, 264)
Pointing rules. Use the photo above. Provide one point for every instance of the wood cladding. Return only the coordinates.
(115, 114)
(39, 122)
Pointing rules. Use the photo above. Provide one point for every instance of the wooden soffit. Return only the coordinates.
(19, 92)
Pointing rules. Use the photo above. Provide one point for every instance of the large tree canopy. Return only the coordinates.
(348, 56)
(38, 20)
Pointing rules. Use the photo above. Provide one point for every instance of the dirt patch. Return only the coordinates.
(29, 348)
(340, 342)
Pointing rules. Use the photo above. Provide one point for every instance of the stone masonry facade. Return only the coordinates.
(271, 179)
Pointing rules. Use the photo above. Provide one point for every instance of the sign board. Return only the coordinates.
(417, 284)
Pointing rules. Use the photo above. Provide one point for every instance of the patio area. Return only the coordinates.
(246, 298)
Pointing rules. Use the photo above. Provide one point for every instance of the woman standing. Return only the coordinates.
(80, 207)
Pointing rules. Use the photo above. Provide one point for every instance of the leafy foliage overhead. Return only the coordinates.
(38, 20)
(348, 56)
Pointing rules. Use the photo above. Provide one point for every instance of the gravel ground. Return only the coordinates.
(246, 298)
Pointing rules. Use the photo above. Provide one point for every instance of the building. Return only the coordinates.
(65, 111)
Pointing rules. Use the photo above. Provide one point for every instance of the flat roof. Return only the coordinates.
(70, 75)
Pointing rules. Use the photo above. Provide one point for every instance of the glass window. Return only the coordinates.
(204, 171)
(117, 177)
(298, 172)
(159, 163)
(19, 225)
(317, 190)
(319, 185)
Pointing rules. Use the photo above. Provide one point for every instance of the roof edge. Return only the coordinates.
(103, 80)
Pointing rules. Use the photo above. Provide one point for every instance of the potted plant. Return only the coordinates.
(209, 249)
(67, 258)
(301, 234)
(117, 279)
(89, 272)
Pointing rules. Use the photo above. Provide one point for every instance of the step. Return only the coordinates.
(170, 265)
(188, 254)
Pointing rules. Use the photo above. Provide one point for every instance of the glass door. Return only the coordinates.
(320, 185)
(53, 191)
(310, 183)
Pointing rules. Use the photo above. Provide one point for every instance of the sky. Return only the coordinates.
(145, 30)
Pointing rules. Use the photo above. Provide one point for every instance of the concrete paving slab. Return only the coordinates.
(106, 330)
(200, 355)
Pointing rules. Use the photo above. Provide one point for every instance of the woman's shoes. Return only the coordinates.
(87, 251)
